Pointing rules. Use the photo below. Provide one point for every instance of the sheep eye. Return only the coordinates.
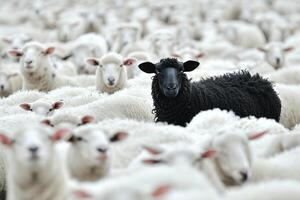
(121, 65)
(51, 109)
(30, 109)
(79, 139)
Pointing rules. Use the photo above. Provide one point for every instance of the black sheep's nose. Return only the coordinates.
(171, 86)
(33, 149)
(244, 176)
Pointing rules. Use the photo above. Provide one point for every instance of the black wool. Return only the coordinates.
(244, 94)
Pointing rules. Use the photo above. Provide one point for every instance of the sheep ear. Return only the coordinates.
(57, 105)
(262, 49)
(49, 50)
(25, 106)
(80, 194)
(257, 135)
(13, 75)
(15, 53)
(47, 122)
(209, 153)
(190, 65)
(154, 150)
(147, 67)
(118, 136)
(92, 61)
(7, 40)
(129, 61)
(288, 49)
(5, 140)
(59, 134)
(87, 119)
(200, 55)
(160, 191)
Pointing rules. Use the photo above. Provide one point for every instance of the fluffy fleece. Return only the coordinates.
(240, 92)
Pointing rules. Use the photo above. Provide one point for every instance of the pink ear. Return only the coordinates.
(5, 140)
(257, 135)
(87, 119)
(261, 49)
(160, 191)
(151, 161)
(175, 55)
(81, 194)
(59, 134)
(6, 40)
(129, 61)
(15, 53)
(209, 153)
(288, 49)
(200, 55)
(49, 50)
(153, 150)
(92, 61)
(58, 105)
(47, 122)
(25, 106)
(118, 136)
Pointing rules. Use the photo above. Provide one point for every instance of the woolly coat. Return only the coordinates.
(240, 92)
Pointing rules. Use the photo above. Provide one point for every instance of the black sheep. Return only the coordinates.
(177, 100)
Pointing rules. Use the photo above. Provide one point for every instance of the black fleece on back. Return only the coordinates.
(240, 92)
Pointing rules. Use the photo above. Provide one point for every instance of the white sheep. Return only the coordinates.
(275, 53)
(85, 46)
(42, 107)
(269, 190)
(288, 95)
(9, 83)
(38, 71)
(89, 156)
(33, 162)
(288, 75)
(111, 74)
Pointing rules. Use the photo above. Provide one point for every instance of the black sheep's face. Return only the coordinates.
(169, 74)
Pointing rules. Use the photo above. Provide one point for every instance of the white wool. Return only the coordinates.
(135, 58)
(140, 187)
(85, 46)
(41, 170)
(114, 106)
(89, 155)
(9, 83)
(269, 190)
(289, 76)
(288, 95)
(22, 96)
(282, 166)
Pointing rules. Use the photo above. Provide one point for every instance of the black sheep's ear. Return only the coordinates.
(147, 67)
(190, 65)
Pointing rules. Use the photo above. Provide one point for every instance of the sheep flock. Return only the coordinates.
(150, 99)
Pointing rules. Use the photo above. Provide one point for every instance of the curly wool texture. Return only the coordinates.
(240, 92)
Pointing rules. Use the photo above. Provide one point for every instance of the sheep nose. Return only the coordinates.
(171, 86)
(101, 150)
(111, 80)
(28, 62)
(2, 87)
(33, 149)
(244, 176)
(277, 61)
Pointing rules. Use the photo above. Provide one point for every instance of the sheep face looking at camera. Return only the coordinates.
(89, 156)
(42, 107)
(33, 55)
(111, 74)
(275, 54)
(177, 100)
